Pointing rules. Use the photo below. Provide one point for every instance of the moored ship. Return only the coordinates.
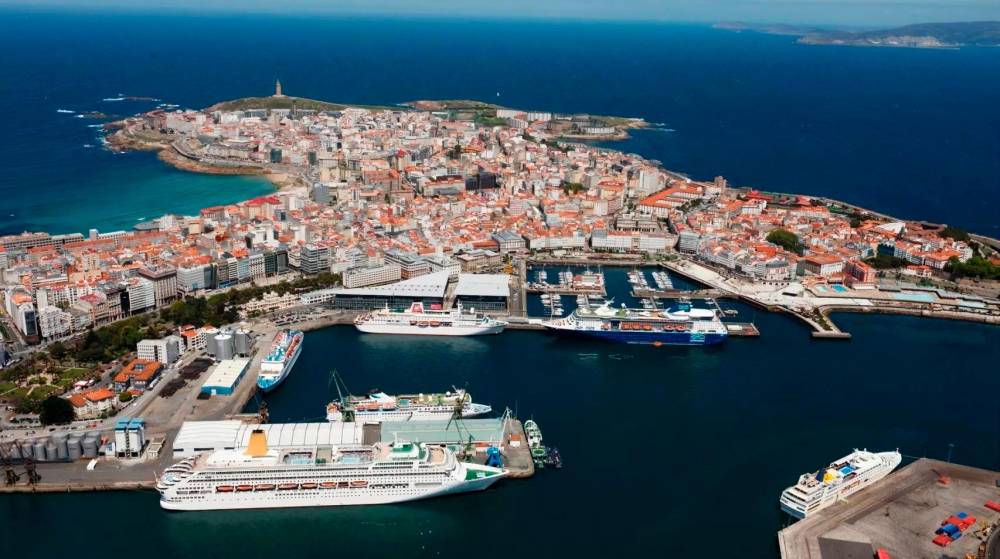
(418, 320)
(281, 357)
(377, 407)
(852, 473)
(259, 477)
(681, 324)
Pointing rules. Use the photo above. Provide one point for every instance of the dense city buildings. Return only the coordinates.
(380, 196)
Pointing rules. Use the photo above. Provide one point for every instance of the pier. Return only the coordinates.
(899, 514)
(679, 293)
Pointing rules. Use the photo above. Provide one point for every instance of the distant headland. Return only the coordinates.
(920, 35)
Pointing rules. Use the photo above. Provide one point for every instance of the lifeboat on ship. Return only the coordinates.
(435, 324)
(308, 486)
(288, 486)
(244, 488)
(264, 487)
(361, 484)
(328, 485)
(224, 488)
(422, 324)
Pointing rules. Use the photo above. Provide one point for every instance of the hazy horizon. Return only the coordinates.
(813, 12)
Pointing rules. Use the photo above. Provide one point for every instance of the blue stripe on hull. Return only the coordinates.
(665, 338)
(267, 387)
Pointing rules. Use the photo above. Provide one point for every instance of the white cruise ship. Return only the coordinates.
(379, 406)
(420, 321)
(281, 357)
(850, 474)
(259, 477)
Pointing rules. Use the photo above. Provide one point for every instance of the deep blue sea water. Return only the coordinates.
(915, 133)
(710, 435)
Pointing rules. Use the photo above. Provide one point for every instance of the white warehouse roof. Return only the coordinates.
(483, 285)
(427, 285)
(226, 373)
(206, 436)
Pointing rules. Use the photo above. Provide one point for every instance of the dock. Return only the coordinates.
(899, 514)
(678, 293)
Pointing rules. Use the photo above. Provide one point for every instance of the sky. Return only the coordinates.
(868, 13)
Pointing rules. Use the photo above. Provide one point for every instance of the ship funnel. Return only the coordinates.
(258, 444)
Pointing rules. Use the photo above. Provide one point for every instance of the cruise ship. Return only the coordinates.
(281, 357)
(259, 477)
(425, 322)
(377, 407)
(681, 324)
(850, 474)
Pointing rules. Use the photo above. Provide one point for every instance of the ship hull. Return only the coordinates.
(380, 417)
(325, 497)
(890, 460)
(265, 384)
(407, 330)
(641, 337)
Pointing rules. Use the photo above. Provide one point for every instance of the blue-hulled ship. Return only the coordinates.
(681, 324)
(280, 358)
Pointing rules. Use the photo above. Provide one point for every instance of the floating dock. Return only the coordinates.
(900, 514)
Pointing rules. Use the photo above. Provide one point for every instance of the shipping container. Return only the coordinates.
(942, 540)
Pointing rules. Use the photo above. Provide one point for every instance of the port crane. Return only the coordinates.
(11, 475)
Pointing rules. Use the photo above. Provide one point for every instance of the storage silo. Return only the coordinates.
(59, 440)
(15, 450)
(212, 346)
(89, 444)
(73, 449)
(226, 346)
(243, 342)
(38, 450)
(51, 452)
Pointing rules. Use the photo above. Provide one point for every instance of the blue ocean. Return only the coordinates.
(670, 452)
(914, 133)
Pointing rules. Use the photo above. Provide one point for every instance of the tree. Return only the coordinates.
(55, 411)
(57, 350)
(125, 397)
(955, 233)
(785, 239)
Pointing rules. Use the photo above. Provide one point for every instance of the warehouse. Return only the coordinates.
(483, 292)
(227, 374)
(196, 437)
(428, 289)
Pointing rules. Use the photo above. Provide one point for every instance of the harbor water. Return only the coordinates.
(663, 446)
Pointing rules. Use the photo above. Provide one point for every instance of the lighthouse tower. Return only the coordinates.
(277, 88)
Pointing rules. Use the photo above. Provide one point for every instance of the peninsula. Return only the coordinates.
(371, 196)
(922, 35)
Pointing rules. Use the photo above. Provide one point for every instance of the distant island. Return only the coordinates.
(920, 35)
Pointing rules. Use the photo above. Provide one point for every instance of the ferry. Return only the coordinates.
(681, 324)
(281, 357)
(259, 477)
(852, 473)
(425, 322)
(377, 407)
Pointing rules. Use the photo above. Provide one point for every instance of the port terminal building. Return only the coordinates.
(196, 437)
(483, 292)
(486, 292)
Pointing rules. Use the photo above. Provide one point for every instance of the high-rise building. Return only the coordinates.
(314, 259)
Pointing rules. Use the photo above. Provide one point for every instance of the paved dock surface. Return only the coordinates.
(901, 512)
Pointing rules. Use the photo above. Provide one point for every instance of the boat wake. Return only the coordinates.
(112, 99)
(65, 111)
(620, 356)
